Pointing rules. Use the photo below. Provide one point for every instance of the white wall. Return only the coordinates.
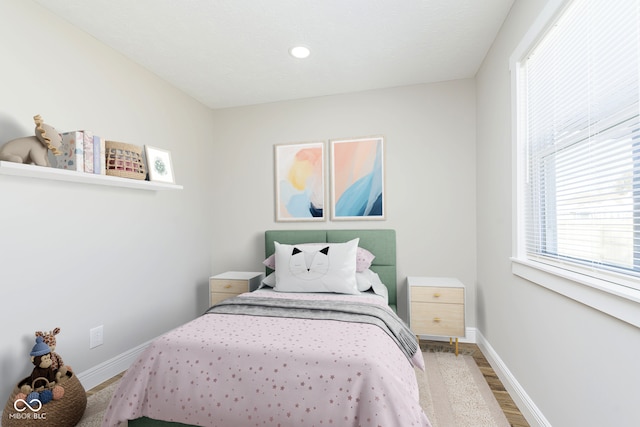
(578, 365)
(429, 133)
(76, 256)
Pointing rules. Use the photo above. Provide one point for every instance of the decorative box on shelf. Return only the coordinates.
(124, 160)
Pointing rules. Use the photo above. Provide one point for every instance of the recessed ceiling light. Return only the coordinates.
(299, 52)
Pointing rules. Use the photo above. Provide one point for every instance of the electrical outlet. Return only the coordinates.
(96, 336)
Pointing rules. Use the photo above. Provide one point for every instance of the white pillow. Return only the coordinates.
(368, 279)
(269, 281)
(363, 279)
(325, 267)
(364, 258)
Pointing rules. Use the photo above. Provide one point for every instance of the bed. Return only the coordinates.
(284, 357)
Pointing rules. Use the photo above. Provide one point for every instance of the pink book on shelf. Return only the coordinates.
(99, 159)
(87, 147)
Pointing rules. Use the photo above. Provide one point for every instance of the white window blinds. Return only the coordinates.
(582, 131)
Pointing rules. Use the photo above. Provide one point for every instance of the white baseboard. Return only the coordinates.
(112, 367)
(520, 397)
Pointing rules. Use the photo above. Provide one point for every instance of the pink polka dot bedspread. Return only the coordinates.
(227, 370)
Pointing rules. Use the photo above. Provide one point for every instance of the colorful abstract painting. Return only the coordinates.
(357, 179)
(300, 182)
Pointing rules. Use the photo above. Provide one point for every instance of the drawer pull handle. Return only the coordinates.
(227, 286)
(436, 295)
(436, 319)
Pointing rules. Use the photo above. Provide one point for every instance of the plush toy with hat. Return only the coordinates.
(49, 339)
(41, 358)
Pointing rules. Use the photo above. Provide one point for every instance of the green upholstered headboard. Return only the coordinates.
(381, 243)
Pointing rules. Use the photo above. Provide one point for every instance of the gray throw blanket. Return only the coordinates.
(346, 311)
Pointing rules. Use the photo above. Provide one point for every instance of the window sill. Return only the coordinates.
(616, 301)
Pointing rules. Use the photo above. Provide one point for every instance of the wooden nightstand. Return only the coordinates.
(437, 307)
(232, 283)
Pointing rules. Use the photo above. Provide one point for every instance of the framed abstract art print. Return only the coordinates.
(357, 179)
(299, 181)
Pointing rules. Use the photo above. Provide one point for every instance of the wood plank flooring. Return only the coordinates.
(104, 384)
(511, 411)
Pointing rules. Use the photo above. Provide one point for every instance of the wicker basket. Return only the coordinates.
(64, 412)
(124, 160)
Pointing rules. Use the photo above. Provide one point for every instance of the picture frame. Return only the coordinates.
(357, 178)
(159, 164)
(300, 181)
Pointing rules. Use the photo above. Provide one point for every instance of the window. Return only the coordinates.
(577, 125)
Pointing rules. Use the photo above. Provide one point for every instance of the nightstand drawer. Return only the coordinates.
(229, 286)
(437, 294)
(216, 297)
(437, 319)
(232, 283)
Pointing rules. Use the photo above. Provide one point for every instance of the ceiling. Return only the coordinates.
(229, 53)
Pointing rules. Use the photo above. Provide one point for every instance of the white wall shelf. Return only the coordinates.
(33, 171)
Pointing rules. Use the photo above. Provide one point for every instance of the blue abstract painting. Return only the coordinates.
(357, 178)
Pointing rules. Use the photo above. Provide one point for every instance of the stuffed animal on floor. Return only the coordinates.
(49, 339)
(33, 149)
(41, 358)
